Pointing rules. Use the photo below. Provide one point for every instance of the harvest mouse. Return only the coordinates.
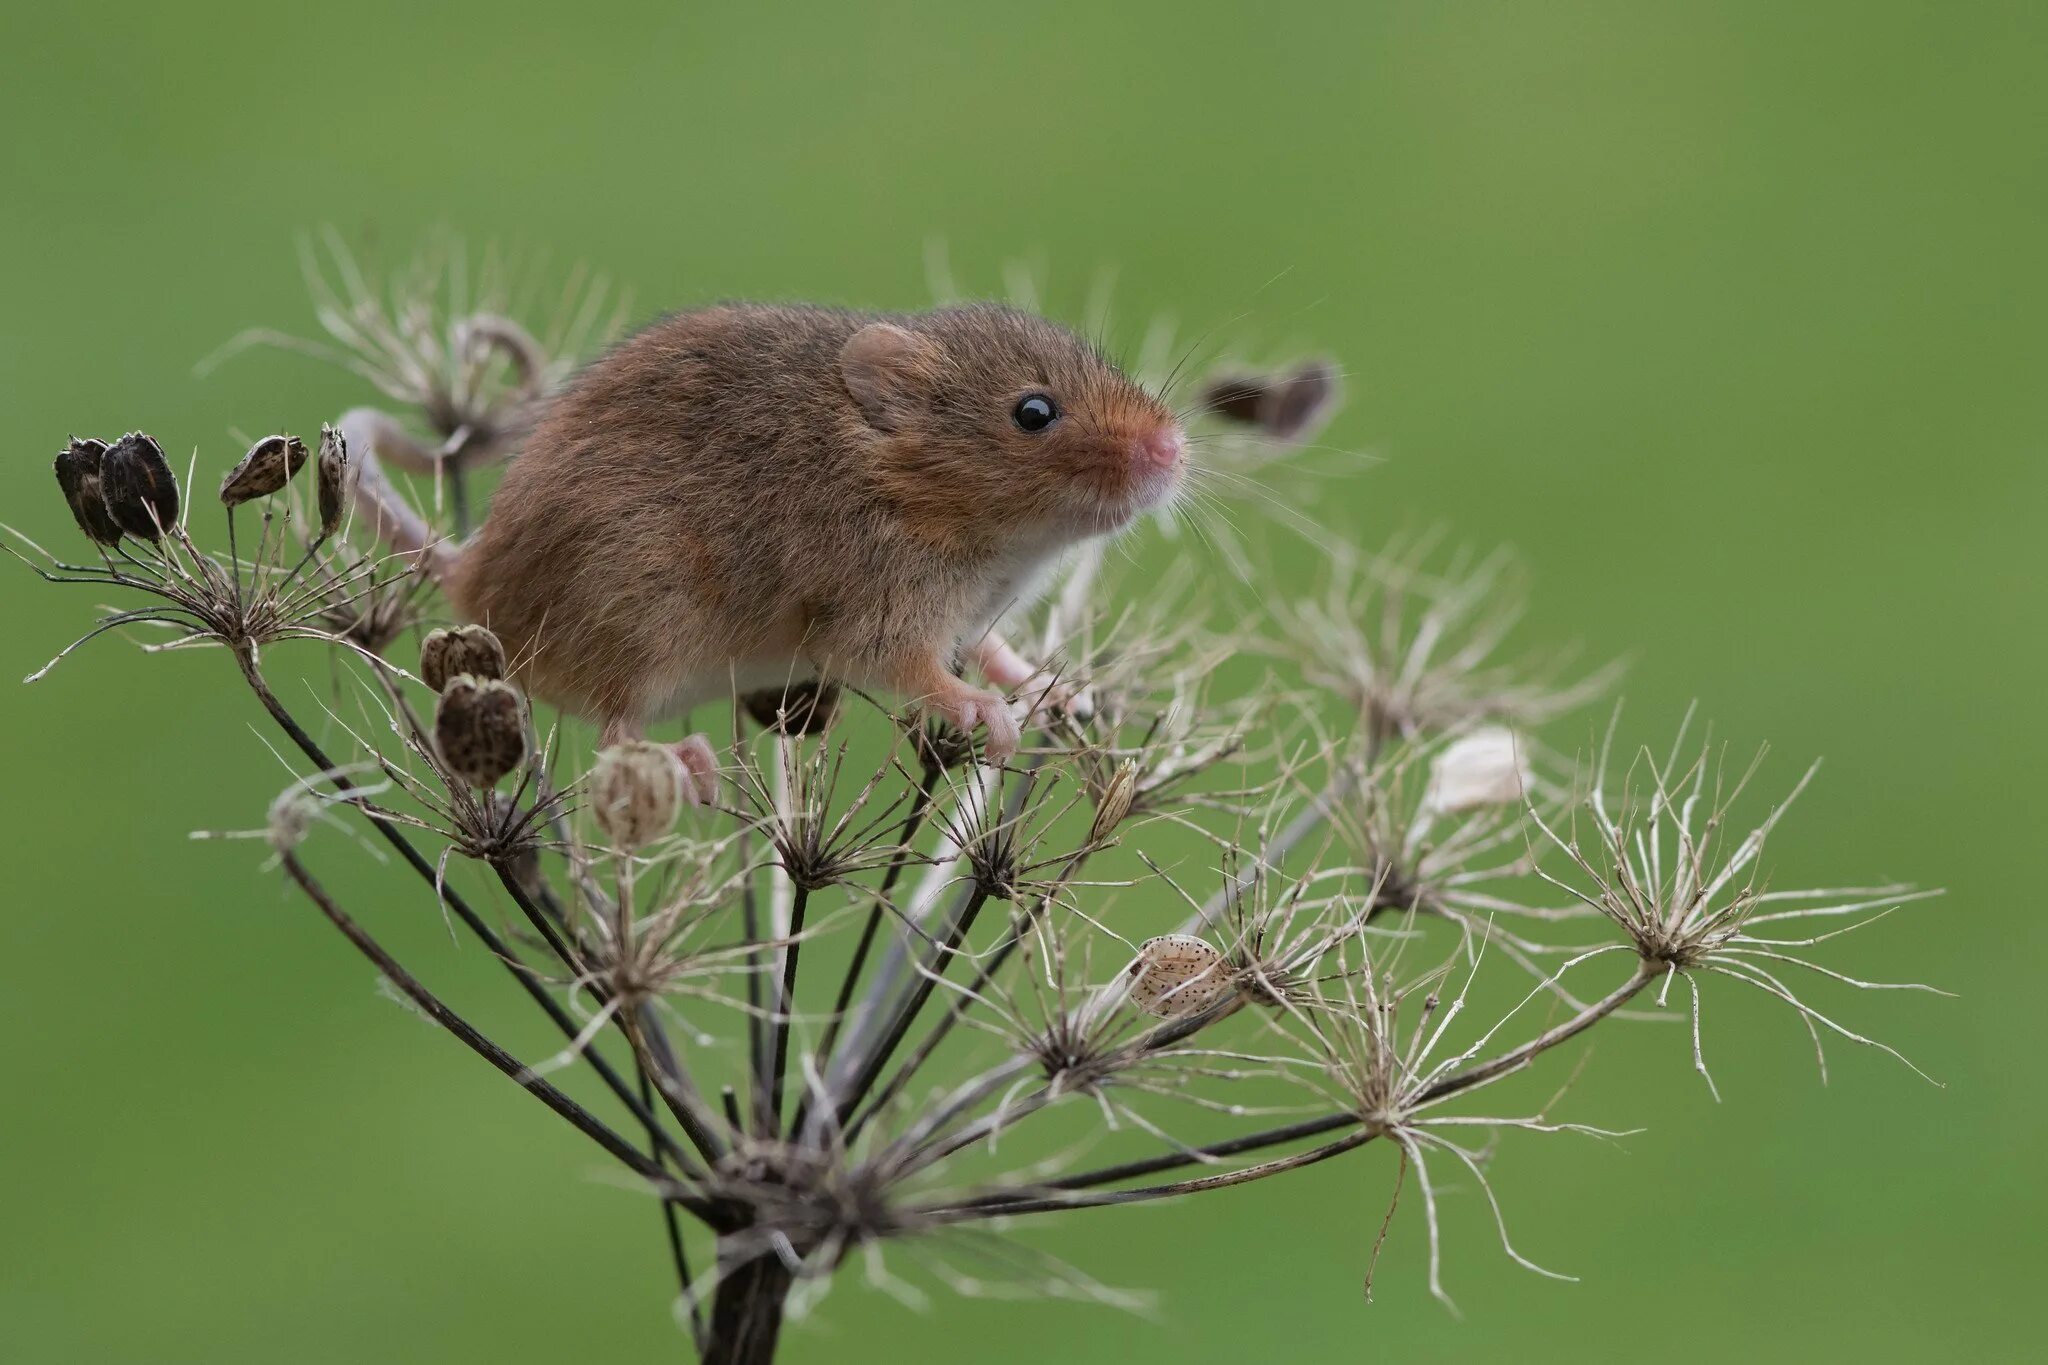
(746, 493)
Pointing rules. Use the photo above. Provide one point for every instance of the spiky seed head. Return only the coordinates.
(803, 708)
(1488, 767)
(480, 729)
(1113, 803)
(636, 789)
(1176, 975)
(291, 816)
(78, 474)
(140, 490)
(447, 654)
(333, 480)
(942, 747)
(270, 463)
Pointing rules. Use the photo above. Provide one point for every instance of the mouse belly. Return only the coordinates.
(683, 692)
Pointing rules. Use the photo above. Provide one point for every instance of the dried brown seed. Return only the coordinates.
(446, 654)
(333, 480)
(1286, 406)
(636, 789)
(1176, 975)
(804, 708)
(480, 729)
(1236, 397)
(270, 463)
(140, 490)
(1114, 802)
(78, 474)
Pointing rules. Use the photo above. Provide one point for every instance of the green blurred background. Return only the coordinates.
(1728, 316)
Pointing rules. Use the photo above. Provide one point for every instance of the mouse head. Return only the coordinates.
(990, 423)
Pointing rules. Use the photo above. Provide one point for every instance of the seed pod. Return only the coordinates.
(265, 469)
(1286, 406)
(480, 729)
(636, 790)
(803, 708)
(1176, 975)
(446, 654)
(333, 480)
(78, 474)
(1484, 768)
(1115, 801)
(140, 490)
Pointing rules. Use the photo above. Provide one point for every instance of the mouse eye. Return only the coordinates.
(1035, 412)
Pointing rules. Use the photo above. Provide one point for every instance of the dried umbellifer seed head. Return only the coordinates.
(480, 729)
(446, 654)
(635, 790)
(1176, 975)
(804, 708)
(270, 463)
(140, 491)
(78, 474)
(333, 477)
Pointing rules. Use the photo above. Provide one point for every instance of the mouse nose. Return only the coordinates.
(1160, 449)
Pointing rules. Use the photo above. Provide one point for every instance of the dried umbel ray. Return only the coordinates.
(1249, 898)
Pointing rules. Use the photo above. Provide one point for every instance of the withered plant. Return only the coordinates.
(1275, 886)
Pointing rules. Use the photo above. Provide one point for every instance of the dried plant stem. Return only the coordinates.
(746, 1311)
(913, 821)
(1470, 1078)
(688, 1109)
(906, 1015)
(578, 1117)
(785, 1004)
(452, 899)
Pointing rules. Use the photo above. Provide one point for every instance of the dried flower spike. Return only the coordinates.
(480, 729)
(636, 790)
(141, 492)
(333, 480)
(447, 654)
(78, 474)
(802, 708)
(1176, 975)
(1485, 768)
(267, 467)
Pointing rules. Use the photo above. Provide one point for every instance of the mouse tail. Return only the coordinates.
(374, 437)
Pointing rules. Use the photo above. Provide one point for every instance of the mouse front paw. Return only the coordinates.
(966, 708)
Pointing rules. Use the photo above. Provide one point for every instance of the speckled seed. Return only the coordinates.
(333, 480)
(636, 790)
(480, 729)
(1177, 974)
(447, 654)
(264, 470)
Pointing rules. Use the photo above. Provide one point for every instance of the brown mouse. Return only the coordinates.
(748, 493)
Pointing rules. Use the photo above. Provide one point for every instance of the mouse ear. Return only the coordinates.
(886, 368)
